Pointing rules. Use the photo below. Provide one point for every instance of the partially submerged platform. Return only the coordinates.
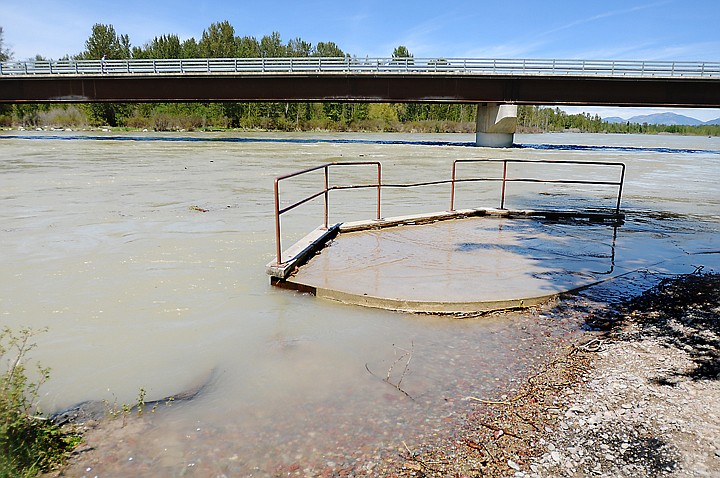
(454, 262)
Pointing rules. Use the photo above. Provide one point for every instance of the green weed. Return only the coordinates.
(29, 442)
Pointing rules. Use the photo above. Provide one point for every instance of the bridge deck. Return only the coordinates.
(581, 82)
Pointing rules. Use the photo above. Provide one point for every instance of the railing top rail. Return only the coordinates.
(367, 65)
(545, 161)
(325, 165)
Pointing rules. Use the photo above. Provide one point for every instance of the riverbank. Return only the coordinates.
(639, 399)
(636, 397)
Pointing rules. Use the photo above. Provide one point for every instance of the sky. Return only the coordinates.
(668, 30)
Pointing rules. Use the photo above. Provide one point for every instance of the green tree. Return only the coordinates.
(218, 41)
(328, 50)
(5, 53)
(401, 52)
(247, 47)
(401, 55)
(165, 46)
(190, 49)
(271, 46)
(103, 41)
(298, 48)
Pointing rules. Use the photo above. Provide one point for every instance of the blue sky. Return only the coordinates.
(609, 29)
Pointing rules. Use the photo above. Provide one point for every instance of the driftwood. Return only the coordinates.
(97, 410)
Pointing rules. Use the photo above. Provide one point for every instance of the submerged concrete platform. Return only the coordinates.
(488, 260)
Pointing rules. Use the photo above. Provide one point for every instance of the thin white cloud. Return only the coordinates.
(652, 51)
(605, 15)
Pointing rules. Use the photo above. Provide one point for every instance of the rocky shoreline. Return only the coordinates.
(640, 399)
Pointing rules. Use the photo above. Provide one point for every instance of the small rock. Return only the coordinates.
(513, 465)
(555, 456)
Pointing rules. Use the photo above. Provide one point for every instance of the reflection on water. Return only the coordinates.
(146, 261)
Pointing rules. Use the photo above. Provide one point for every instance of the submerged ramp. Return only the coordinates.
(458, 261)
(474, 264)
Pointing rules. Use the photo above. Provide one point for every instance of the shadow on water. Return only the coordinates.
(544, 242)
(626, 149)
(549, 147)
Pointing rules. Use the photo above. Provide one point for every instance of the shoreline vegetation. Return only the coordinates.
(302, 117)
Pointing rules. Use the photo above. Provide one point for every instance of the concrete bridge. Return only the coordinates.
(497, 86)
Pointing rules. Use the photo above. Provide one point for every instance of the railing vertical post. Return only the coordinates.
(327, 196)
(620, 188)
(277, 224)
(502, 193)
(452, 187)
(379, 188)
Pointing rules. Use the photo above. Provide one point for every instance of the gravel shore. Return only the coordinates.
(640, 399)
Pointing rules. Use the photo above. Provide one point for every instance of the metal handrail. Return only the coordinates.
(505, 179)
(454, 179)
(323, 192)
(318, 65)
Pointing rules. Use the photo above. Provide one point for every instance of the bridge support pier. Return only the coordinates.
(495, 125)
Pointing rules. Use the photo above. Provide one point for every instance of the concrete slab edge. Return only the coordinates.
(429, 307)
(301, 251)
(463, 213)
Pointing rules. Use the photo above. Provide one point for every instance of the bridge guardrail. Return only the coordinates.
(470, 66)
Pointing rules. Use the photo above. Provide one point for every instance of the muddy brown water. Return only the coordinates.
(144, 255)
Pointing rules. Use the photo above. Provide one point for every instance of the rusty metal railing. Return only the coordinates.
(323, 192)
(505, 179)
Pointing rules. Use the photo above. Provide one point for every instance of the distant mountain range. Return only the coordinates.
(661, 118)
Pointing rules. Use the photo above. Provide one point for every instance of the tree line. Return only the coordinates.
(220, 40)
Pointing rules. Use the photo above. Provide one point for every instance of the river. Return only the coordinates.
(144, 256)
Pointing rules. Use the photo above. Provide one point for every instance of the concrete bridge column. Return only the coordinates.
(495, 125)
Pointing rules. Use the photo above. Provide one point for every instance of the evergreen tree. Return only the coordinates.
(401, 52)
(298, 48)
(328, 50)
(271, 46)
(165, 46)
(103, 41)
(190, 49)
(5, 53)
(401, 55)
(247, 47)
(218, 41)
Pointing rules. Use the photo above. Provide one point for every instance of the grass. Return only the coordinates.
(29, 442)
